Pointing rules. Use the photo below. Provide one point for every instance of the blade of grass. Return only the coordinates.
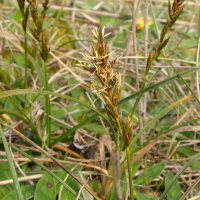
(168, 80)
(11, 166)
(37, 68)
(171, 129)
(14, 102)
(28, 122)
(28, 91)
(178, 174)
(16, 115)
(140, 153)
(158, 116)
(45, 168)
(26, 82)
(47, 104)
(52, 158)
(153, 121)
(143, 148)
(123, 101)
(57, 18)
(71, 42)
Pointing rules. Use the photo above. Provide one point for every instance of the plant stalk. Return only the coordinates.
(11, 166)
(26, 82)
(47, 105)
(129, 173)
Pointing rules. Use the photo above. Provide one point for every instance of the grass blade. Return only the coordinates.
(45, 168)
(11, 166)
(178, 174)
(28, 91)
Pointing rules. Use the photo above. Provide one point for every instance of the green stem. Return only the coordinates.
(129, 173)
(128, 161)
(11, 166)
(47, 105)
(25, 85)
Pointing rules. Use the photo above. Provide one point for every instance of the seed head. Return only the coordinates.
(128, 131)
(21, 4)
(25, 19)
(34, 10)
(45, 49)
(117, 89)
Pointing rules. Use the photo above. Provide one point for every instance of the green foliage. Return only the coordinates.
(149, 174)
(48, 188)
(27, 192)
(164, 100)
(175, 191)
(140, 196)
(5, 175)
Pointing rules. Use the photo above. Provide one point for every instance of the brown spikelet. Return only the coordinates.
(128, 131)
(149, 59)
(35, 34)
(164, 31)
(104, 81)
(40, 23)
(164, 43)
(111, 115)
(45, 49)
(169, 9)
(112, 63)
(175, 10)
(100, 44)
(21, 4)
(45, 6)
(148, 65)
(34, 10)
(112, 81)
(117, 90)
(25, 19)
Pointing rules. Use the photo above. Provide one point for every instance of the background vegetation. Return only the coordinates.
(55, 134)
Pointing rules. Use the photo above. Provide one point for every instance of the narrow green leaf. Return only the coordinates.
(45, 168)
(74, 92)
(28, 91)
(148, 125)
(37, 68)
(178, 174)
(11, 166)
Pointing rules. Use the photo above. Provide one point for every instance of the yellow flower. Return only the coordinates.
(140, 23)
(134, 193)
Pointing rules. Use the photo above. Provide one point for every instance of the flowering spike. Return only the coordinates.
(128, 131)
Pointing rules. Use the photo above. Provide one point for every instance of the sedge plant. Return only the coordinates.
(107, 83)
(41, 35)
(25, 14)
